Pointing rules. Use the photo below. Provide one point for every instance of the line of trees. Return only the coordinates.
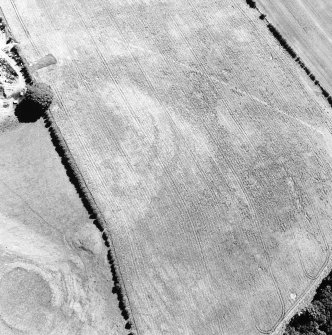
(282, 41)
(77, 180)
(298, 60)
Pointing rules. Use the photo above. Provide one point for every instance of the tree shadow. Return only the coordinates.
(28, 111)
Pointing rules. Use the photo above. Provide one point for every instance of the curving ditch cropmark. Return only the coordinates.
(77, 180)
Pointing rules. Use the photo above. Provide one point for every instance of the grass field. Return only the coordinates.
(207, 151)
(45, 230)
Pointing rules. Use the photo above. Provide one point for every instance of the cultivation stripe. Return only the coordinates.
(241, 186)
(175, 188)
(132, 113)
(23, 25)
(203, 71)
(312, 277)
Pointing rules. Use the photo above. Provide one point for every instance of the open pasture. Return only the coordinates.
(207, 150)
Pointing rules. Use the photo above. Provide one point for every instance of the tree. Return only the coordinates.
(35, 102)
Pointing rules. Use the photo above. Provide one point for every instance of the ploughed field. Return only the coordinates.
(206, 149)
(54, 274)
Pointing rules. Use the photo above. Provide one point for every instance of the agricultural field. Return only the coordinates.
(54, 277)
(206, 150)
(307, 25)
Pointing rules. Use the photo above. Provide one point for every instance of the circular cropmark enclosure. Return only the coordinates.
(25, 301)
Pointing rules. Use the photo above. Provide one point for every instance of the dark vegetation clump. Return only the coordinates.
(316, 319)
(251, 3)
(2, 25)
(22, 63)
(35, 102)
(281, 40)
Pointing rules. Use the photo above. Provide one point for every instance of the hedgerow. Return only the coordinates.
(285, 45)
(88, 202)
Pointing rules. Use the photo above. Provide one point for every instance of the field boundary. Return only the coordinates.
(291, 52)
(76, 178)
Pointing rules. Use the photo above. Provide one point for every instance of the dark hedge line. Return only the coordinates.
(76, 179)
(298, 60)
(16, 53)
(282, 41)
